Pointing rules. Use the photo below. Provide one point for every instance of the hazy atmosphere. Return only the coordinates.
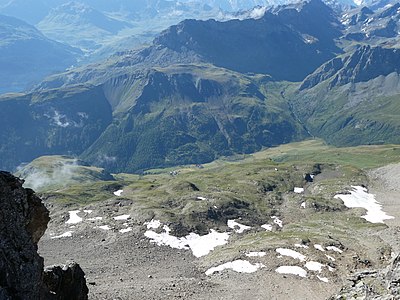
(232, 149)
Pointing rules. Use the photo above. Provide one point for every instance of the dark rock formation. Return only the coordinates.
(23, 220)
(65, 282)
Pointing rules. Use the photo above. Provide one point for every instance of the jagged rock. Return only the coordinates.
(23, 221)
(65, 282)
(371, 284)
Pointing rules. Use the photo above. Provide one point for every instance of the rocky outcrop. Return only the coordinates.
(23, 221)
(65, 282)
(378, 285)
(366, 63)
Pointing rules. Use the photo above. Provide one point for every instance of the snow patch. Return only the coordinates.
(267, 227)
(240, 266)
(319, 247)
(258, 12)
(125, 230)
(301, 246)
(256, 254)
(303, 205)
(123, 217)
(314, 266)
(118, 193)
(201, 198)
(73, 217)
(88, 211)
(95, 219)
(359, 197)
(291, 253)
(330, 257)
(200, 245)
(104, 227)
(324, 279)
(294, 270)
(66, 234)
(153, 224)
(333, 248)
(234, 225)
(277, 221)
(298, 190)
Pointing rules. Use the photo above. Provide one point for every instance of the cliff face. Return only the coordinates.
(23, 220)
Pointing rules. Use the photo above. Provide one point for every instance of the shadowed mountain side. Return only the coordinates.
(27, 56)
(51, 122)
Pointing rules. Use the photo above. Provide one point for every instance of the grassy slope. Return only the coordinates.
(251, 189)
(353, 114)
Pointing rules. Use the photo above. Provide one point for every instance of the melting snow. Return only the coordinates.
(359, 197)
(324, 279)
(291, 253)
(66, 234)
(234, 225)
(153, 224)
(241, 266)
(277, 221)
(256, 254)
(333, 248)
(292, 270)
(267, 227)
(200, 245)
(298, 190)
(95, 219)
(301, 246)
(118, 193)
(319, 247)
(314, 266)
(123, 217)
(125, 230)
(73, 217)
(104, 227)
(330, 257)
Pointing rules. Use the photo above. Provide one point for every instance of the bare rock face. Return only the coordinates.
(23, 221)
(65, 282)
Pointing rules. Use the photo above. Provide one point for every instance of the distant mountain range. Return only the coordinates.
(102, 28)
(204, 89)
(27, 56)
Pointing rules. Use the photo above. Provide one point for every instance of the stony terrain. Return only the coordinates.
(120, 262)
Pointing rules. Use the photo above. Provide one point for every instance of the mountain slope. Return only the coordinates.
(80, 25)
(353, 99)
(26, 56)
(273, 44)
(189, 114)
(52, 122)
